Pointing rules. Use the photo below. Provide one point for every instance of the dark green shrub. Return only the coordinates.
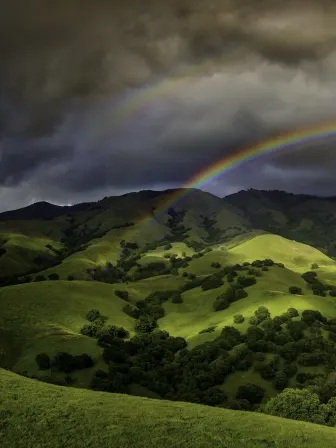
(238, 318)
(216, 265)
(131, 311)
(53, 276)
(208, 330)
(221, 303)
(117, 332)
(43, 361)
(295, 290)
(122, 294)
(251, 392)
(253, 320)
(145, 324)
(280, 381)
(40, 278)
(292, 312)
(177, 298)
(241, 293)
(211, 282)
(246, 281)
(93, 315)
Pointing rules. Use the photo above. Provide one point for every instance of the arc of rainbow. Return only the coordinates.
(229, 162)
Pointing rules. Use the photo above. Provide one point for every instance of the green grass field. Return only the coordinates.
(293, 255)
(35, 414)
(47, 317)
(196, 312)
(21, 251)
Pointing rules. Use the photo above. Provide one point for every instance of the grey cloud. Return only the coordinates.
(226, 77)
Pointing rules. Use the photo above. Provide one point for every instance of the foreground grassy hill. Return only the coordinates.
(36, 414)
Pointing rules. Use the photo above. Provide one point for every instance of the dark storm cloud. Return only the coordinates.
(249, 69)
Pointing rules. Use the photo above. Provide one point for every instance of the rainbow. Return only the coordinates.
(288, 141)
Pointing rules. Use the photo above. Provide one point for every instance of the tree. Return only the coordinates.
(43, 361)
(251, 392)
(221, 303)
(246, 281)
(40, 278)
(53, 276)
(145, 324)
(253, 320)
(117, 332)
(280, 380)
(297, 404)
(177, 298)
(295, 290)
(238, 318)
(262, 313)
(212, 282)
(292, 312)
(216, 265)
(92, 315)
(131, 311)
(230, 278)
(241, 293)
(64, 362)
(122, 294)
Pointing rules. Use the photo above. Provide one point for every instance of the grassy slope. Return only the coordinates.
(25, 240)
(104, 249)
(196, 312)
(31, 327)
(21, 251)
(47, 316)
(293, 255)
(38, 414)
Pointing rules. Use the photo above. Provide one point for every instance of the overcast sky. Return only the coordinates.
(102, 97)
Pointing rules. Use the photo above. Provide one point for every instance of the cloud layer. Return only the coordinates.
(102, 98)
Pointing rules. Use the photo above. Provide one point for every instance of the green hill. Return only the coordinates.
(37, 414)
(208, 296)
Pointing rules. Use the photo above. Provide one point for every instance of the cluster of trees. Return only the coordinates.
(318, 288)
(194, 375)
(232, 294)
(64, 362)
(302, 404)
(150, 270)
(148, 311)
(214, 233)
(98, 328)
(107, 274)
(165, 366)
(175, 223)
(273, 347)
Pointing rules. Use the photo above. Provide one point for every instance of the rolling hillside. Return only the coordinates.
(209, 296)
(37, 414)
